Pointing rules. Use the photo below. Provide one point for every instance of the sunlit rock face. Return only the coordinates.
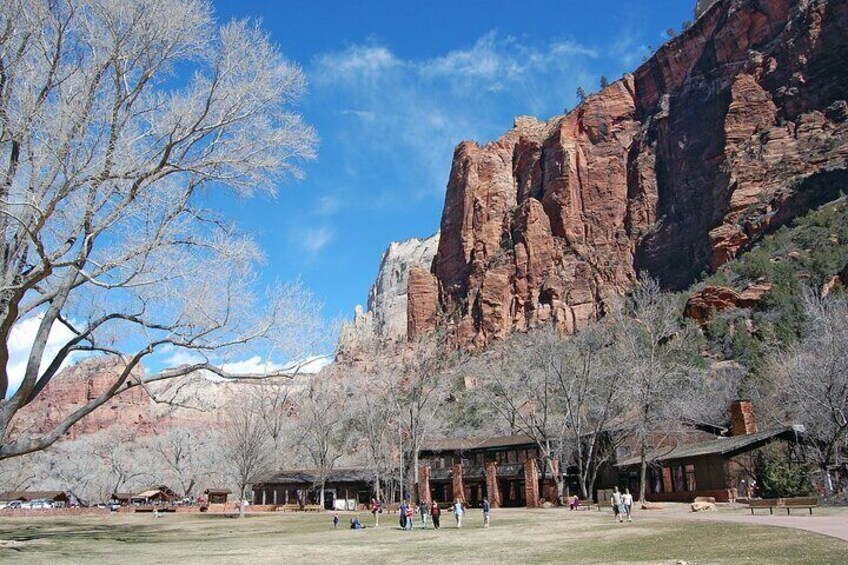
(728, 131)
(387, 299)
(702, 6)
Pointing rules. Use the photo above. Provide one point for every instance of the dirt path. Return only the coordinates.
(833, 526)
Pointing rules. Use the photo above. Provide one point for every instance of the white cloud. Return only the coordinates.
(179, 357)
(313, 240)
(410, 114)
(257, 365)
(21, 339)
(329, 204)
(358, 63)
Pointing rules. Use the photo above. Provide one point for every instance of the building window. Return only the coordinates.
(677, 476)
(690, 478)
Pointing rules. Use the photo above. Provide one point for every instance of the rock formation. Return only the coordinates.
(730, 130)
(404, 265)
(702, 6)
(190, 400)
(387, 299)
(703, 304)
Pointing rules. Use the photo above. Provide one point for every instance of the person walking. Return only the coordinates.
(487, 509)
(423, 510)
(376, 509)
(410, 515)
(458, 512)
(436, 514)
(402, 515)
(618, 504)
(627, 500)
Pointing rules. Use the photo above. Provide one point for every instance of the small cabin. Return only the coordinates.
(217, 495)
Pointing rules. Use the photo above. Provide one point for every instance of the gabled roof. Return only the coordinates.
(26, 495)
(725, 446)
(217, 491)
(478, 443)
(310, 476)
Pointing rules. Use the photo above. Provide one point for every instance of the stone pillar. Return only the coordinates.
(666, 479)
(458, 486)
(424, 483)
(492, 484)
(531, 483)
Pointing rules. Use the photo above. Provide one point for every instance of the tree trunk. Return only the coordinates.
(643, 472)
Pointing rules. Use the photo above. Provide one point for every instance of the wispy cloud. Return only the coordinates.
(411, 113)
(329, 204)
(313, 240)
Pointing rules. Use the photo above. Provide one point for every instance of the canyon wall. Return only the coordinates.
(387, 299)
(728, 131)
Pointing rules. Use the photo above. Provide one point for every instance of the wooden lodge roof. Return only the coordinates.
(478, 444)
(724, 446)
(310, 476)
(27, 495)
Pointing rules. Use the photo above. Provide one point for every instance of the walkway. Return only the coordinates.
(832, 525)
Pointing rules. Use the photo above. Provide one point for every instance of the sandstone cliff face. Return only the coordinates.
(134, 410)
(727, 132)
(405, 265)
(387, 299)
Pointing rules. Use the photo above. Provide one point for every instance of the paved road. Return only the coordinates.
(834, 526)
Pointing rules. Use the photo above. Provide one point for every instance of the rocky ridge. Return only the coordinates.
(189, 401)
(730, 130)
(387, 298)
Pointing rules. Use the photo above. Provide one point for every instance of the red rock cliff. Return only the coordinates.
(728, 131)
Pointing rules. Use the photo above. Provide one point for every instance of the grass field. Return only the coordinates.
(520, 536)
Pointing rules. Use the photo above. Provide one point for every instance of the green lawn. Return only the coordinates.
(521, 536)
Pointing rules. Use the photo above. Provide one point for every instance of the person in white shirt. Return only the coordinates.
(627, 500)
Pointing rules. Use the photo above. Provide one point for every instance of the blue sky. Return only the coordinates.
(394, 86)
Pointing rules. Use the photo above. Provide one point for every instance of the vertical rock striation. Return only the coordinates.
(730, 130)
(387, 299)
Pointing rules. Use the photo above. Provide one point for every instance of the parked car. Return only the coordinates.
(38, 504)
(11, 505)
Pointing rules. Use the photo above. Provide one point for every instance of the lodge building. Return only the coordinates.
(708, 460)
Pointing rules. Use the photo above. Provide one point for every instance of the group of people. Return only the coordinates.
(622, 504)
(406, 514)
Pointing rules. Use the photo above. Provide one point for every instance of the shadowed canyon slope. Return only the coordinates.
(730, 130)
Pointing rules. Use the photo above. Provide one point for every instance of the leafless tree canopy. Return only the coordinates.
(116, 118)
(809, 381)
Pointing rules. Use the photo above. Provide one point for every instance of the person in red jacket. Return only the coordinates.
(435, 513)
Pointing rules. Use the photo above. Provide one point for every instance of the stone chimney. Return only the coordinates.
(742, 420)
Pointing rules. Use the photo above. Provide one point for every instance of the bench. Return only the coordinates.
(800, 502)
(288, 508)
(313, 508)
(770, 503)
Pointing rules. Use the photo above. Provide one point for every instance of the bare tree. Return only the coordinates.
(103, 161)
(245, 447)
(658, 351)
(522, 386)
(324, 424)
(97, 465)
(184, 453)
(591, 384)
(417, 385)
(810, 380)
(373, 418)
